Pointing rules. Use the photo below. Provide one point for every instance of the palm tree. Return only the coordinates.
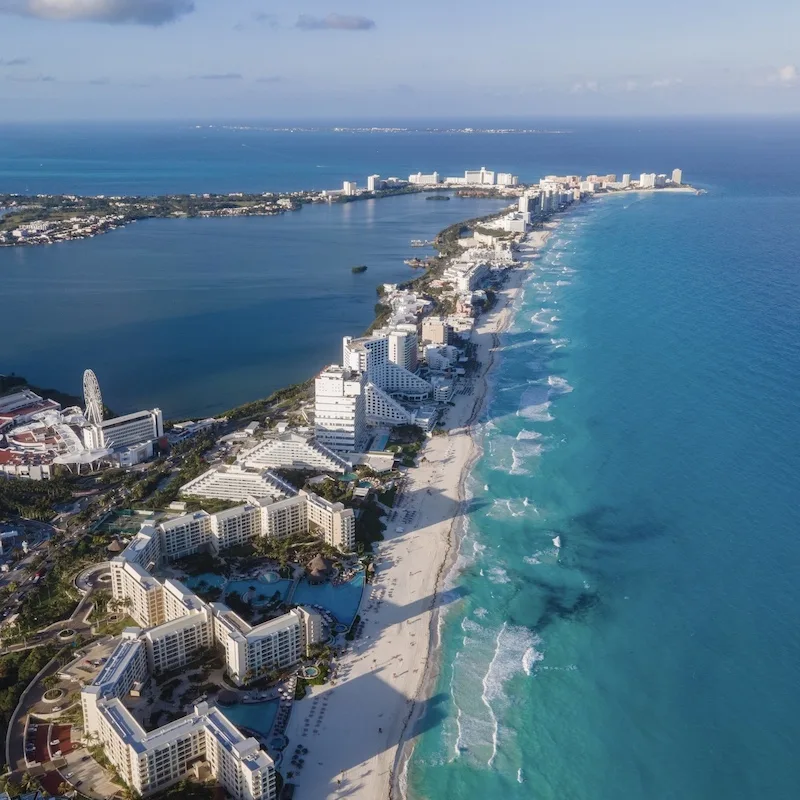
(27, 782)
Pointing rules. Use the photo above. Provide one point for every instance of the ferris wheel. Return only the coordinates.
(92, 398)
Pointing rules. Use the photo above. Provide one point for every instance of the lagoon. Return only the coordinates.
(196, 316)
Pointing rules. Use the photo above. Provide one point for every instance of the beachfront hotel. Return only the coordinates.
(292, 451)
(340, 421)
(177, 625)
(277, 644)
(236, 483)
(151, 761)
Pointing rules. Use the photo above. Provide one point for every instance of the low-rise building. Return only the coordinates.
(293, 451)
(236, 483)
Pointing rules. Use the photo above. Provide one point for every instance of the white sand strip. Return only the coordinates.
(353, 727)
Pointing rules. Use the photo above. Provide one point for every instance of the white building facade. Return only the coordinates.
(340, 422)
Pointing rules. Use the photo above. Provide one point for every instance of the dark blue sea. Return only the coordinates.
(626, 628)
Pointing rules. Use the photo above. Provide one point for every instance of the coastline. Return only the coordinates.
(398, 788)
(383, 684)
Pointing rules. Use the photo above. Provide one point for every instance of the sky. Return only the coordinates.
(376, 60)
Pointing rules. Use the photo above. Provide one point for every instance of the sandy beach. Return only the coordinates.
(359, 728)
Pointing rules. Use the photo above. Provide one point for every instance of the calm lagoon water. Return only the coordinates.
(197, 316)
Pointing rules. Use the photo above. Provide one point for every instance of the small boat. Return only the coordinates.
(360, 268)
(438, 197)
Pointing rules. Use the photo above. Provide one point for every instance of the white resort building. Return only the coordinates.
(340, 421)
(237, 484)
(253, 651)
(293, 451)
(151, 761)
(121, 432)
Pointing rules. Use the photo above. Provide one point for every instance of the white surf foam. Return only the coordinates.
(511, 655)
(532, 656)
(534, 404)
(558, 385)
(459, 731)
(498, 575)
(516, 463)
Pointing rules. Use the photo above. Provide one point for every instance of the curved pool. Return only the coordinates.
(342, 601)
(257, 717)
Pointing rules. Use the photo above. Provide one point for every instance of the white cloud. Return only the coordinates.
(115, 12)
(631, 85)
(787, 75)
(665, 83)
(584, 86)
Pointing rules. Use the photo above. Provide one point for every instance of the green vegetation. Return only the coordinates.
(199, 563)
(298, 548)
(493, 232)
(320, 680)
(283, 400)
(17, 670)
(188, 790)
(12, 382)
(332, 490)
(369, 527)
(107, 628)
(407, 441)
(26, 784)
(211, 505)
(351, 634)
(382, 314)
(388, 497)
(33, 499)
(192, 465)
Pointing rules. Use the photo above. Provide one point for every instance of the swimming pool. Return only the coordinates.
(210, 579)
(264, 592)
(266, 586)
(258, 717)
(342, 601)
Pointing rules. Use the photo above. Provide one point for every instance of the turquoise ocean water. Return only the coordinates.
(631, 555)
(644, 414)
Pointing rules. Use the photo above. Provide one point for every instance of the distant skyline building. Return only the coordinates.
(349, 188)
(626, 180)
(647, 180)
(482, 176)
(373, 183)
(423, 179)
(507, 179)
(677, 176)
